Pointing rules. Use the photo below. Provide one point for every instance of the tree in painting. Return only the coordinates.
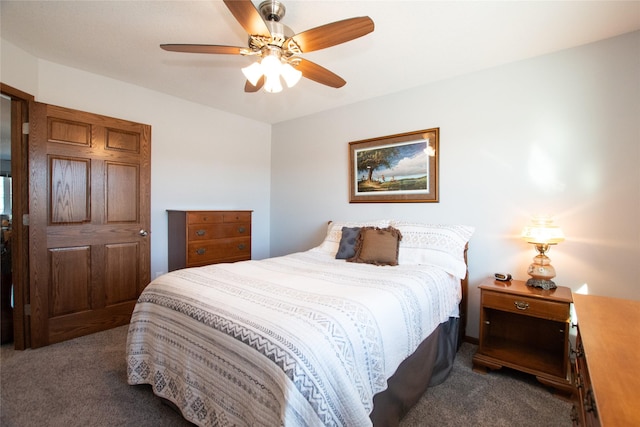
(369, 161)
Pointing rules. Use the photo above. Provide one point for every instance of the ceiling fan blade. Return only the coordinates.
(332, 34)
(248, 87)
(319, 74)
(204, 48)
(248, 16)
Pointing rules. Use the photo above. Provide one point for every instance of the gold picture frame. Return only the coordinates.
(395, 168)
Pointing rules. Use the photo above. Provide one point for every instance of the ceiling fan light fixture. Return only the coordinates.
(253, 73)
(272, 84)
(290, 75)
(271, 66)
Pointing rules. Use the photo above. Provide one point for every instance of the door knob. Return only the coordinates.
(143, 233)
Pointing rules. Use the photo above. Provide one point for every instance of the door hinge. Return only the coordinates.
(25, 220)
(25, 128)
(27, 309)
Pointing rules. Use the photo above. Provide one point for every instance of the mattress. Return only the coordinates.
(297, 340)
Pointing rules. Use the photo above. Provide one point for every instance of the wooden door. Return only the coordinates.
(89, 216)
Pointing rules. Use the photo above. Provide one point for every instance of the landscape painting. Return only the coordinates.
(395, 168)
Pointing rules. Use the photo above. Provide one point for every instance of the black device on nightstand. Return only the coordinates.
(503, 277)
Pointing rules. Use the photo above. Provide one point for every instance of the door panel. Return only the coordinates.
(89, 200)
(69, 190)
(122, 270)
(122, 192)
(70, 289)
(70, 132)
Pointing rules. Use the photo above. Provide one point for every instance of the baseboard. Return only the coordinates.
(471, 340)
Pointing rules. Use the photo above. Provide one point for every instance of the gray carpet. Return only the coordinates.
(82, 382)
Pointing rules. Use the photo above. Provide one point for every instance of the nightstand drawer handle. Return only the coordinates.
(589, 402)
(578, 351)
(521, 305)
(201, 251)
(241, 229)
(200, 232)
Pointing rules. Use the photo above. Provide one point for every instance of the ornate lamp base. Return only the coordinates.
(541, 270)
(544, 284)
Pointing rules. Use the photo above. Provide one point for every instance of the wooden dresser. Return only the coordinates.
(199, 238)
(606, 370)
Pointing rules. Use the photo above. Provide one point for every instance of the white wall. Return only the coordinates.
(201, 158)
(558, 134)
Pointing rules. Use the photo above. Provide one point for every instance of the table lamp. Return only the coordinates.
(542, 233)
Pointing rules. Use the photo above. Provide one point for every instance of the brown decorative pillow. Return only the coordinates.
(377, 246)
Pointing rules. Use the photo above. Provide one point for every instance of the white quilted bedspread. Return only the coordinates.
(299, 340)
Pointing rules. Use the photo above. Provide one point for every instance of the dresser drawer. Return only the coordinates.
(220, 250)
(199, 232)
(205, 217)
(525, 305)
(236, 216)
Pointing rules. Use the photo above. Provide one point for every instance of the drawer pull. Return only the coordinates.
(578, 351)
(201, 251)
(200, 232)
(578, 382)
(574, 415)
(241, 246)
(241, 230)
(589, 402)
(521, 305)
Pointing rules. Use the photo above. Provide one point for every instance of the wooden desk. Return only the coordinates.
(609, 329)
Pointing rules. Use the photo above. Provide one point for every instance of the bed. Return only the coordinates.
(344, 334)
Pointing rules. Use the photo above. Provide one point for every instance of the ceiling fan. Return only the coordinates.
(278, 46)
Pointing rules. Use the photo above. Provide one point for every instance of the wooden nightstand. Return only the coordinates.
(527, 329)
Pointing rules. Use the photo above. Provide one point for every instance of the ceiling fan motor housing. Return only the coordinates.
(272, 10)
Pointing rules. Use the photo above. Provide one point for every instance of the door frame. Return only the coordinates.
(20, 210)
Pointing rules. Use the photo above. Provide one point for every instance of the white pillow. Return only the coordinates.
(331, 241)
(441, 245)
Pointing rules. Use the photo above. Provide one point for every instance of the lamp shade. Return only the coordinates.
(542, 231)
(290, 75)
(272, 84)
(271, 66)
(253, 72)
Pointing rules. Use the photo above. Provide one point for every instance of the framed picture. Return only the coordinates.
(395, 168)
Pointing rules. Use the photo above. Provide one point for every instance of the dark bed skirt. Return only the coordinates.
(428, 366)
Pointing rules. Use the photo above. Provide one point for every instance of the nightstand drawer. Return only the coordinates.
(526, 306)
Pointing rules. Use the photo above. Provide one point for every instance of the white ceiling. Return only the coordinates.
(414, 43)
